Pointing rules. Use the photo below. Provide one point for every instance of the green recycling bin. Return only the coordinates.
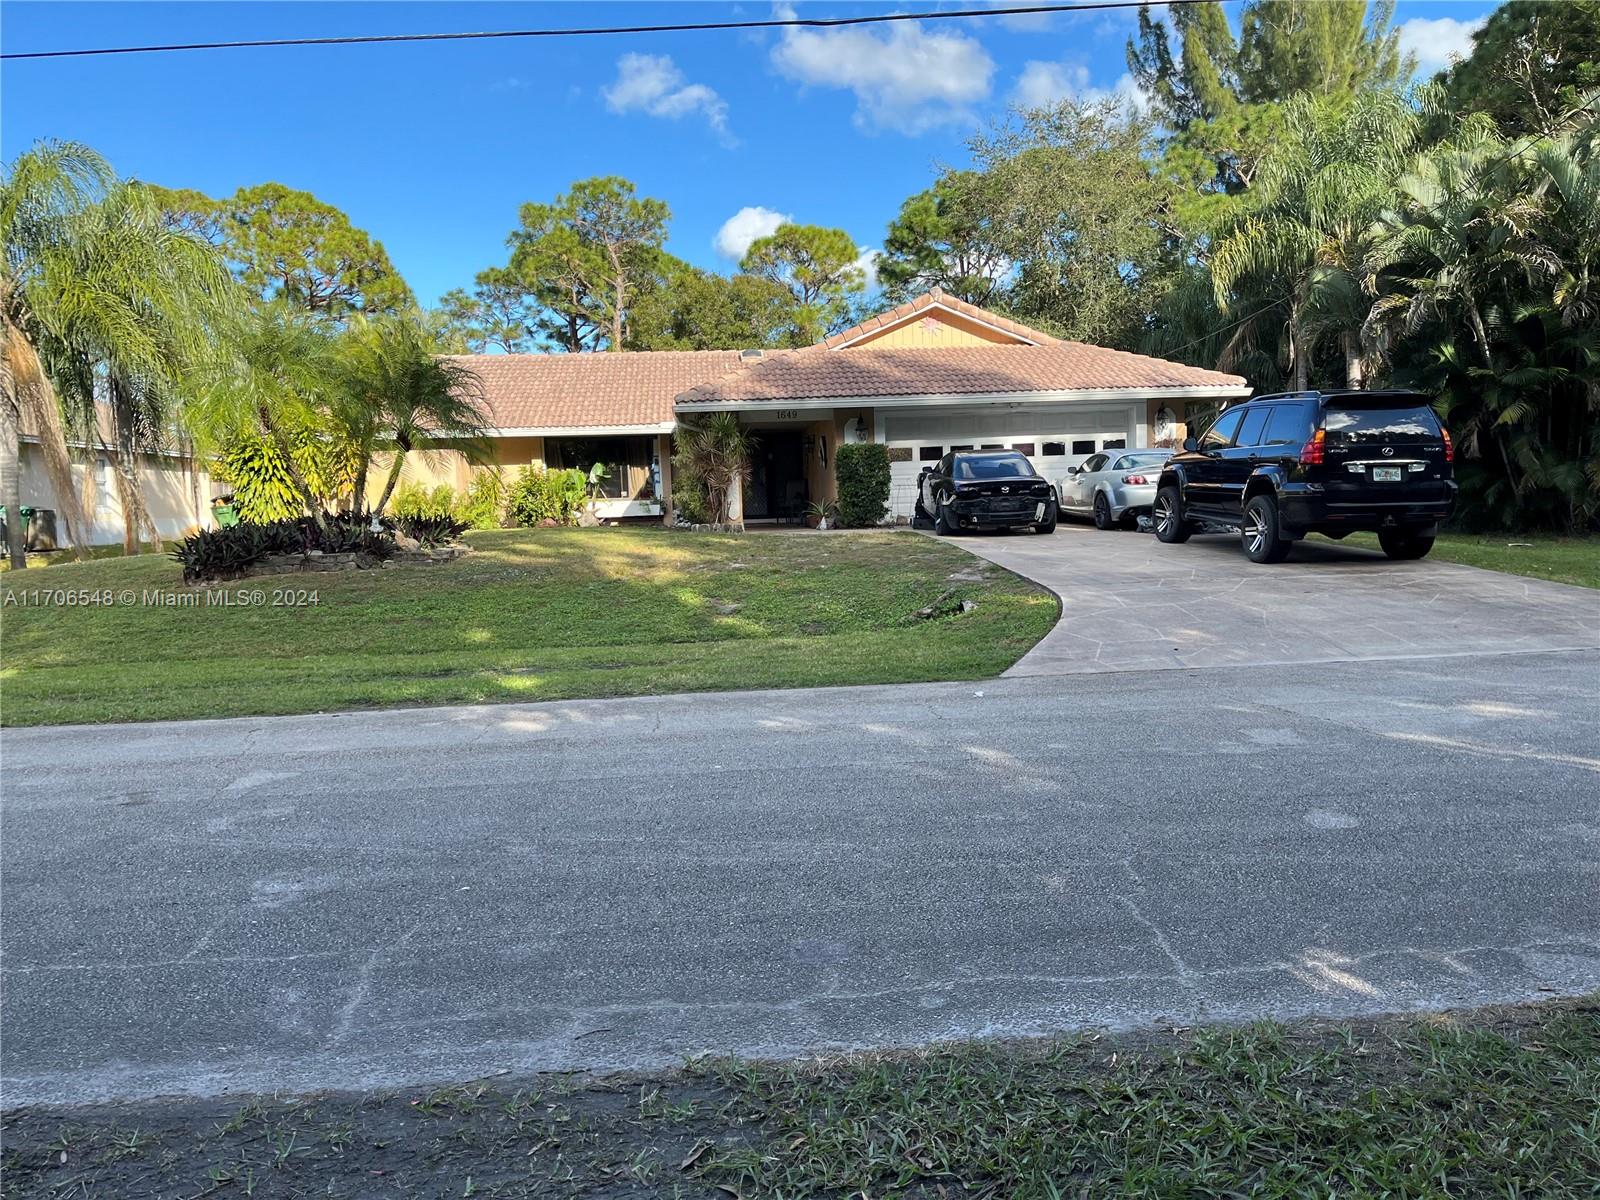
(226, 515)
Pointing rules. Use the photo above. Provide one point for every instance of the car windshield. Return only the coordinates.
(1357, 426)
(1128, 461)
(993, 466)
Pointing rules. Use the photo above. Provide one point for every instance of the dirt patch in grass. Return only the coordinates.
(1502, 1102)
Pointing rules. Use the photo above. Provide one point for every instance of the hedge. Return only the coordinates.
(862, 472)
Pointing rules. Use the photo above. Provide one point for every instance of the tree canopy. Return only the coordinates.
(583, 258)
(1531, 62)
(819, 268)
(287, 245)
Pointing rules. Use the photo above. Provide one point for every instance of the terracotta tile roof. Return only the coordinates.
(814, 373)
(551, 391)
(929, 299)
(571, 391)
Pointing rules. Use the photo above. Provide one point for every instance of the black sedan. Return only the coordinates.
(985, 489)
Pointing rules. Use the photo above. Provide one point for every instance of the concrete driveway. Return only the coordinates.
(1129, 603)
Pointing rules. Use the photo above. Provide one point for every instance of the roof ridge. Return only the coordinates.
(936, 295)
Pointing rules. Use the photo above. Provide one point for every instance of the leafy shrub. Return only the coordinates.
(862, 472)
(225, 553)
(484, 505)
(432, 530)
(264, 491)
(414, 500)
(540, 495)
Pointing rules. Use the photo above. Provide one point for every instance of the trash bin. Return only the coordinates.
(226, 515)
(39, 528)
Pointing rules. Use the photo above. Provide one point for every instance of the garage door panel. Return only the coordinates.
(1078, 431)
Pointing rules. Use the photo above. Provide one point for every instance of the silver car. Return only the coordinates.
(1115, 487)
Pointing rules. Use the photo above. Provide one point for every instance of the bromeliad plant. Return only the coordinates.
(432, 529)
(214, 554)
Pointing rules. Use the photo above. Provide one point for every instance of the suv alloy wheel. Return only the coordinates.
(1263, 542)
(1167, 515)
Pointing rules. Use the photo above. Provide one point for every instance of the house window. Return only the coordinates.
(1051, 448)
(1114, 444)
(1023, 448)
(959, 449)
(930, 453)
(992, 446)
(1083, 446)
(626, 461)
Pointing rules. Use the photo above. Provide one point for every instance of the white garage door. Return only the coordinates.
(1054, 438)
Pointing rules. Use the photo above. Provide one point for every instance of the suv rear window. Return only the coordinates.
(1374, 426)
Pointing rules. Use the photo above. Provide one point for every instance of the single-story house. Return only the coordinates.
(177, 489)
(932, 375)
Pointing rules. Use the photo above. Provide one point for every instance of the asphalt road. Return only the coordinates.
(375, 899)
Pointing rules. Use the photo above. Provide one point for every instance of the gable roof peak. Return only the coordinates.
(935, 296)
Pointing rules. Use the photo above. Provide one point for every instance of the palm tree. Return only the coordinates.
(1482, 271)
(714, 455)
(272, 379)
(1309, 226)
(396, 393)
(134, 303)
(42, 193)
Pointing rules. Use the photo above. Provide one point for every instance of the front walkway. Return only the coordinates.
(1129, 603)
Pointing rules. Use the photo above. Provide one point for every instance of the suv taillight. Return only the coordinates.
(1449, 446)
(1311, 452)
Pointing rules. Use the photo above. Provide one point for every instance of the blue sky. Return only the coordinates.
(432, 147)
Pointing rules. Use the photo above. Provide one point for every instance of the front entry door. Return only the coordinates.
(776, 488)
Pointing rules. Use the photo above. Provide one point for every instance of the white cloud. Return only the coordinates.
(1045, 83)
(745, 226)
(1436, 41)
(652, 83)
(867, 263)
(905, 79)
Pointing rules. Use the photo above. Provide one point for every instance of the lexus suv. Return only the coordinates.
(1280, 467)
(975, 490)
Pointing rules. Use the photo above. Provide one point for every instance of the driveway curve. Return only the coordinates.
(1130, 603)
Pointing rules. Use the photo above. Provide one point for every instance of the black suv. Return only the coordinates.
(978, 490)
(1280, 467)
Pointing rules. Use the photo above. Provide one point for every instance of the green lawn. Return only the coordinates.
(1544, 556)
(532, 615)
(1500, 1102)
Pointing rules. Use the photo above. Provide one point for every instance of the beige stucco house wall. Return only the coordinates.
(177, 492)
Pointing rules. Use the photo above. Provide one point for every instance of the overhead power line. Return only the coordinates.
(600, 31)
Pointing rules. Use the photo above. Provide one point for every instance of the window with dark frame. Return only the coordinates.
(1023, 448)
(623, 458)
(959, 449)
(1114, 444)
(1055, 448)
(1083, 446)
(930, 453)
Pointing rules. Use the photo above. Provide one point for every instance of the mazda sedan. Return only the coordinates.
(985, 489)
(1115, 487)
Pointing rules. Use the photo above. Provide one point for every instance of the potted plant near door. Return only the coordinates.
(820, 514)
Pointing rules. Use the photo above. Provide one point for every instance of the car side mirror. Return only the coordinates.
(1074, 470)
(924, 473)
(1190, 445)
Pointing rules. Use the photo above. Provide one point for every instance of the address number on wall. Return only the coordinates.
(788, 414)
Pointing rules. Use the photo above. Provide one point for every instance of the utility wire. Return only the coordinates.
(774, 23)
